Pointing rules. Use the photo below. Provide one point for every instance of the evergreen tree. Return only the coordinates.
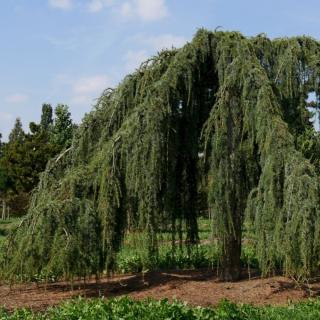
(25, 155)
(46, 117)
(1, 145)
(63, 127)
(17, 134)
(135, 157)
(4, 182)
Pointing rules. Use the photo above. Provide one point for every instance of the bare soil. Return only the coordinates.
(199, 288)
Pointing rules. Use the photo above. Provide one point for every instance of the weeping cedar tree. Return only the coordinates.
(241, 101)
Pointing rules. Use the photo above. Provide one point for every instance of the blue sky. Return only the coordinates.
(68, 51)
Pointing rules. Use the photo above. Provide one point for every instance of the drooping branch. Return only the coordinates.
(136, 158)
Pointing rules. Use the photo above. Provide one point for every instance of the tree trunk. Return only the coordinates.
(8, 212)
(190, 203)
(3, 209)
(235, 199)
(231, 262)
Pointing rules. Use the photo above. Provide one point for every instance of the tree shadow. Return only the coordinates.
(122, 285)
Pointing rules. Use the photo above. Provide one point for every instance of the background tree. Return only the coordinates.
(1, 145)
(17, 134)
(63, 127)
(25, 155)
(46, 117)
(4, 182)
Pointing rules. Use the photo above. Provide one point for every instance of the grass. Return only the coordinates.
(133, 256)
(127, 309)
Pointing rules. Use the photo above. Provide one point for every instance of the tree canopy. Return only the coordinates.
(25, 155)
(135, 158)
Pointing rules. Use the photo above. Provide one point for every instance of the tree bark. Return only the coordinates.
(231, 259)
(236, 195)
(8, 212)
(3, 209)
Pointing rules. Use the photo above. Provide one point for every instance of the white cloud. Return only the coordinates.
(167, 41)
(98, 5)
(147, 10)
(91, 84)
(84, 90)
(81, 100)
(157, 43)
(126, 9)
(151, 9)
(61, 4)
(16, 98)
(133, 59)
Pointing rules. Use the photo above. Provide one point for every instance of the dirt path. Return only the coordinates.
(195, 287)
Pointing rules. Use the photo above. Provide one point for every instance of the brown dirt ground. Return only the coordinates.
(200, 287)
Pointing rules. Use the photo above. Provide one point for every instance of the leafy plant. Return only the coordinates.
(128, 309)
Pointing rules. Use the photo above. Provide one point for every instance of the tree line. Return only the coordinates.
(25, 155)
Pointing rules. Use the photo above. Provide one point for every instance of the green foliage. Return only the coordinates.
(134, 162)
(7, 226)
(309, 144)
(24, 161)
(46, 117)
(4, 181)
(17, 134)
(1, 145)
(63, 127)
(128, 309)
(134, 260)
(26, 155)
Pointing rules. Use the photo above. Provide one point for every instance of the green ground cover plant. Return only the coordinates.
(127, 309)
